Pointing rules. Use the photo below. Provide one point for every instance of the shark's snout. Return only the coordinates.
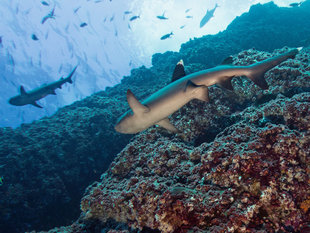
(117, 128)
(14, 101)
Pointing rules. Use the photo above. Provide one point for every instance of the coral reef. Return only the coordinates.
(158, 181)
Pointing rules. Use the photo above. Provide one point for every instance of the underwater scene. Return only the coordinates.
(155, 116)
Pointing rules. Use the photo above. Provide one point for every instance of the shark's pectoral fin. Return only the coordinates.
(35, 104)
(165, 123)
(22, 90)
(179, 71)
(135, 105)
(202, 93)
(227, 83)
(199, 91)
(190, 85)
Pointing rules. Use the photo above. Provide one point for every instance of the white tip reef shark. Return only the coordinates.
(31, 97)
(155, 109)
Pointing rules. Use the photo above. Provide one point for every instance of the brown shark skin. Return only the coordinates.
(169, 99)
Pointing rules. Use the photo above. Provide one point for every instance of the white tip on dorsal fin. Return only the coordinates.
(134, 104)
(179, 71)
(181, 62)
(22, 90)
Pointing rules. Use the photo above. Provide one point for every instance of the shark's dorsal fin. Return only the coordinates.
(22, 90)
(165, 123)
(35, 104)
(179, 71)
(134, 103)
(227, 83)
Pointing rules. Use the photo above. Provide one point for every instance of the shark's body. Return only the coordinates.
(207, 16)
(31, 97)
(156, 108)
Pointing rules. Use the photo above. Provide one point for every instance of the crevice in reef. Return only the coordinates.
(274, 119)
(210, 133)
(288, 93)
(149, 230)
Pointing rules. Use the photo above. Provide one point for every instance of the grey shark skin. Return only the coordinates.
(31, 97)
(156, 108)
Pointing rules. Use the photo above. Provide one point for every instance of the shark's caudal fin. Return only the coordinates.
(258, 70)
(69, 78)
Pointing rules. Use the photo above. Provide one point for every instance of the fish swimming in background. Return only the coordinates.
(183, 26)
(207, 16)
(1, 40)
(50, 15)
(189, 16)
(112, 18)
(164, 37)
(45, 3)
(31, 97)
(295, 4)
(76, 10)
(162, 17)
(134, 18)
(127, 12)
(83, 25)
(156, 108)
(187, 10)
(34, 37)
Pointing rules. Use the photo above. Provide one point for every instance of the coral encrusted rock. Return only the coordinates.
(251, 176)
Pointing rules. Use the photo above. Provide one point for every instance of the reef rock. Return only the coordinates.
(253, 175)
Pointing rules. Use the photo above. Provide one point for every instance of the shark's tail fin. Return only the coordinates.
(69, 78)
(258, 70)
